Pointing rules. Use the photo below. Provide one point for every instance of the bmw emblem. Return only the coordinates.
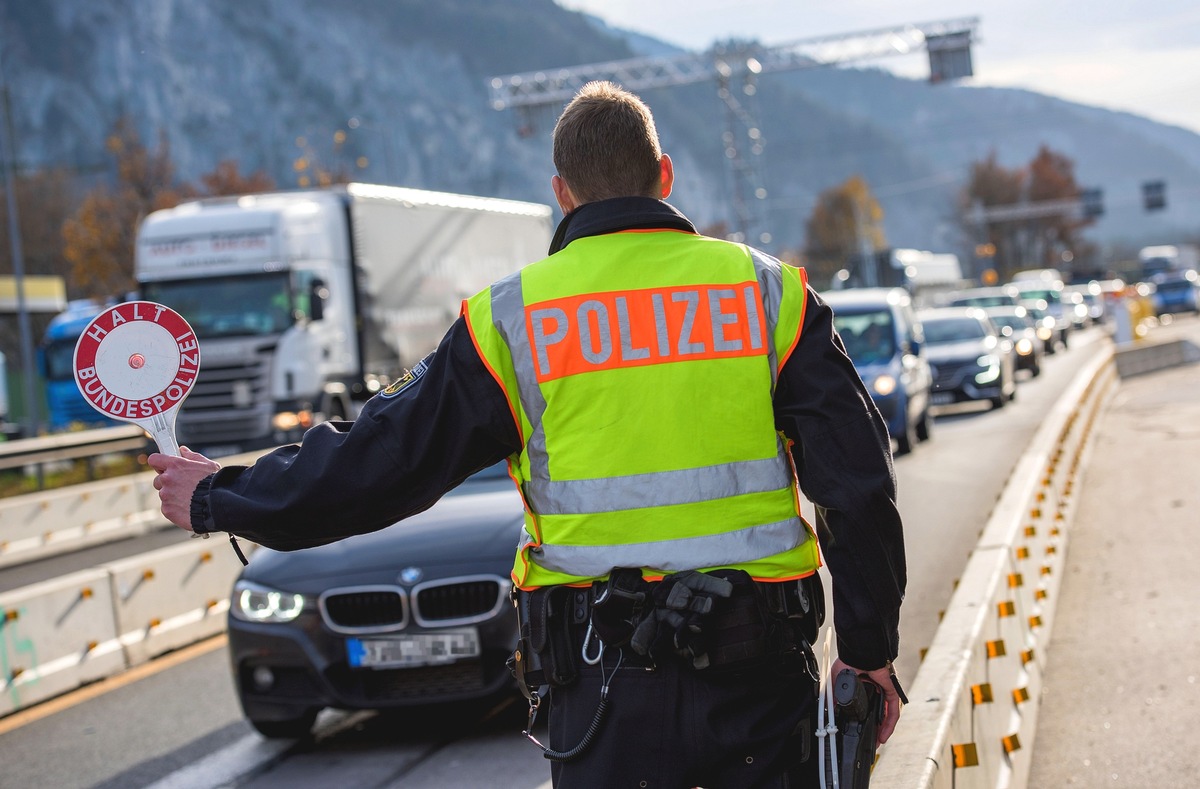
(410, 575)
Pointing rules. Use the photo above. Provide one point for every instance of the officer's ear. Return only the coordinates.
(666, 175)
(562, 193)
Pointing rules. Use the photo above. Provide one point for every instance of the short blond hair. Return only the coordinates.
(606, 145)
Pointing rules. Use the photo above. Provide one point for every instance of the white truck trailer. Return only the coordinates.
(306, 303)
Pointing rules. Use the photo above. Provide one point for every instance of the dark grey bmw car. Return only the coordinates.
(414, 614)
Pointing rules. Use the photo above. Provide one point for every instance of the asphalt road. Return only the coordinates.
(180, 726)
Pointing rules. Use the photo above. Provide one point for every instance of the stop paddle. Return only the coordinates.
(136, 362)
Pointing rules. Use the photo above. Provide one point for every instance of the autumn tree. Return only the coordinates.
(98, 241)
(225, 179)
(847, 220)
(1028, 234)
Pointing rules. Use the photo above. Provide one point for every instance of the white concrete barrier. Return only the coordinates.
(974, 703)
(56, 636)
(172, 597)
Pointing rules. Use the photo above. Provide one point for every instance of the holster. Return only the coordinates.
(858, 712)
(544, 655)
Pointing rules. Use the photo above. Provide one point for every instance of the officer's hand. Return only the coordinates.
(891, 697)
(177, 479)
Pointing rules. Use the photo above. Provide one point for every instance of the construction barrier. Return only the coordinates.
(172, 597)
(60, 634)
(56, 636)
(974, 703)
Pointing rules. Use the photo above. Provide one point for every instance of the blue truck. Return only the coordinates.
(67, 409)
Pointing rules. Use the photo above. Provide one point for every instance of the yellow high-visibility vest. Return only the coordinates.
(640, 367)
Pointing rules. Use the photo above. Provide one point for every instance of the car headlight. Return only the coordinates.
(991, 364)
(255, 603)
(884, 385)
(1081, 310)
(1044, 334)
(1024, 346)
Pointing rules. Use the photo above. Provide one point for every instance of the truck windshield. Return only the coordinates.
(60, 359)
(243, 306)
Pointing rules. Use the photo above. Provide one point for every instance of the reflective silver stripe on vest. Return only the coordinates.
(770, 282)
(609, 494)
(508, 315)
(688, 553)
(660, 489)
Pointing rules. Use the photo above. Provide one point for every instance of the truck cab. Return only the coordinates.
(266, 287)
(308, 302)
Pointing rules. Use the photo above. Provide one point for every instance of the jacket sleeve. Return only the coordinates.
(410, 445)
(843, 459)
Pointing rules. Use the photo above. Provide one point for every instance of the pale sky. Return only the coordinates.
(1143, 58)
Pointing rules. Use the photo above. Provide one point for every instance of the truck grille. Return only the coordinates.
(230, 402)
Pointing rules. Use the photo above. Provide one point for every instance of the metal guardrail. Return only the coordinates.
(70, 446)
(43, 524)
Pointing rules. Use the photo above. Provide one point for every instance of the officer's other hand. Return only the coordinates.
(891, 699)
(177, 479)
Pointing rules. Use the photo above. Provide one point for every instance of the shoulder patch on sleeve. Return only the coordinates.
(406, 380)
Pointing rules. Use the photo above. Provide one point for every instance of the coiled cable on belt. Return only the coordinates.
(593, 728)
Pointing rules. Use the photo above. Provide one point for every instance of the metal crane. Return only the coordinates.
(948, 44)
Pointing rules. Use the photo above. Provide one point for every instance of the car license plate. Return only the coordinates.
(414, 649)
(943, 398)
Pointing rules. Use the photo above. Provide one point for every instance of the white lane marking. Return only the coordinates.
(226, 765)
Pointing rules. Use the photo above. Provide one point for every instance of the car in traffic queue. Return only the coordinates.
(995, 296)
(971, 359)
(1043, 321)
(1176, 291)
(417, 613)
(1048, 295)
(1018, 325)
(1093, 300)
(883, 338)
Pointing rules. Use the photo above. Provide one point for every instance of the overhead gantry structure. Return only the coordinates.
(947, 42)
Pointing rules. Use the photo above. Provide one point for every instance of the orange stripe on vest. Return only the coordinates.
(635, 328)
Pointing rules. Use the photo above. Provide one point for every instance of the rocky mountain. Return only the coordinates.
(268, 82)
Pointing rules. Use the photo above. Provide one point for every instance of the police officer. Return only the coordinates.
(661, 397)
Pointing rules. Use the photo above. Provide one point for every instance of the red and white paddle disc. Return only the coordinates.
(137, 362)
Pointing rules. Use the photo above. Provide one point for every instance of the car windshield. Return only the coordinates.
(995, 300)
(868, 336)
(1048, 295)
(243, 306)
(944, 330)
(1015, 322)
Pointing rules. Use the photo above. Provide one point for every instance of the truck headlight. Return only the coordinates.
(255, 603)
(991, 368)
(291, 420)
(884, 385)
